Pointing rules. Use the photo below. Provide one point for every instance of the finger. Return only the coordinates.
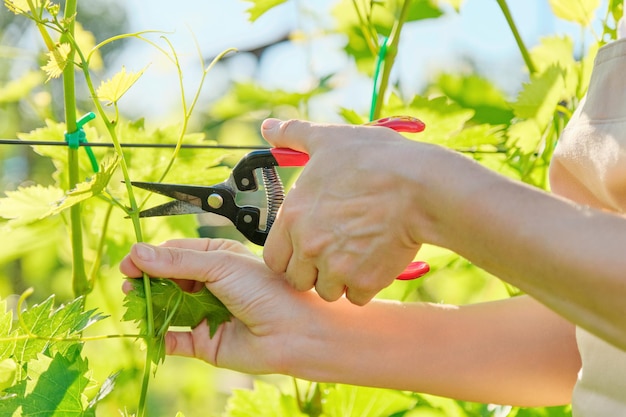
(278, 247)
(301, 274)
(208, 245)
(306, 137)
(183, 263)
(193, 343)
(359, 297)
(128, 267)
(329, 290)
(127, 286)
(294, 134)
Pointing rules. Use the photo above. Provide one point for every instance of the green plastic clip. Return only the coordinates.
(380, 59)
(75, 139)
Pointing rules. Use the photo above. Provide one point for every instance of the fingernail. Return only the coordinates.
(270, 124)
(144, 252)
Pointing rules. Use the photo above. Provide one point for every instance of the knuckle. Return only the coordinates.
(309, 250)
(176, 257)
(341, 267)
(289, 125)
(370, 284)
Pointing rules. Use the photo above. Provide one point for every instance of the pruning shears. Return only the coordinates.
(221, 198)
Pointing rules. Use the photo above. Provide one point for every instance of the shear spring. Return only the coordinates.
(274, 192)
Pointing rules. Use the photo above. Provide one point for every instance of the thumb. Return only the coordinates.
(293, 134)
(217, 269)
(177, 263)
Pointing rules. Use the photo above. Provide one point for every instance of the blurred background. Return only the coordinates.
(294, 61)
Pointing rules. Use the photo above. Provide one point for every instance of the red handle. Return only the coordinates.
(400, 124)
(413, 271)
(286, 157)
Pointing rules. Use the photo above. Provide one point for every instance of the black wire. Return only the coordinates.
(127, 145)
(183, 146)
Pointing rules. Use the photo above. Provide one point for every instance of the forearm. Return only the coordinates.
(569, 257)
(509, 352)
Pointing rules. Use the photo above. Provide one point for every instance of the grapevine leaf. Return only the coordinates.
(56, 385)
(12, 398)
(476, 136)
(57, 60)
(49, 323)
(29, 239)
(456, 4)
(381, 17)
(112, 90)
(443, 119)
(8, 370)
(173, 307)
(105, 389)
(6, 322)
(89, 188)
(472, 91)
(352, 401)
(266, 397)
(553, 50)
(28, 204)
(577, 11)
(525, 135)
(540, 96)
(558, 51)
(246, 97)
(260, 7)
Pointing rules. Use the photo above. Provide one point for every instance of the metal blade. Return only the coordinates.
(171, 209)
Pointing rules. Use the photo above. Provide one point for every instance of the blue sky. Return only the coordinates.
(479, 31)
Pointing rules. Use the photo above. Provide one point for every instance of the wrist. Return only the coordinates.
(445, 187)
(344, 343)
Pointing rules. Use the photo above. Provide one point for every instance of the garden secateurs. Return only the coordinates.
(221, 198)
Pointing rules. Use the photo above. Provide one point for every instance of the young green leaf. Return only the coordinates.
(88, 189)
(353, 401)
(48, 324)
(578, 11)
(111, 91)
(28, 204)
(259, 7)
(8, 371)
(266, 397)
(56, 385)
(540, 96)
(6, 322)
(173, 307)
(57, 60)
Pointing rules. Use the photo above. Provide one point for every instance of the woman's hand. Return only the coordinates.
(266, 309)
(344, 227)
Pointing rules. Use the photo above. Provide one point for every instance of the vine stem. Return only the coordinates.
(80, 282)
(133, 213)
(518, 39)
(389, 59)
